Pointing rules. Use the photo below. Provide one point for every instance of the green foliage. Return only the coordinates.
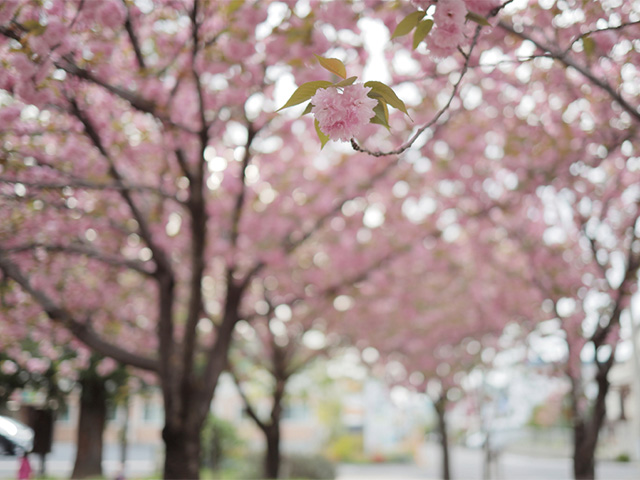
(623, 457)
(382, 114)
(347, 447)
(345, 82)
(381, 91)
(308, 467)
(308, 108)
(408, 23)
(422, 30)
(304, 92)
(234, 469)
(323, 138)
(479, 19)
(43, 382)
(220, 442)
(589, 45)
(333, 65)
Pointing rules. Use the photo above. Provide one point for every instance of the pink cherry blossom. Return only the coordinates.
(9, 115)
(423, 4)
(483, 7)
(106, 366)
(450, 11)
(111, 14)
(445, 39)
(8, 367)
(7, 9)
(341, 115)
(54, 32)
(605, 40)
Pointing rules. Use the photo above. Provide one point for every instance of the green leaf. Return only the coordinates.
(344, 83)
(308, 109)
(323, 138)
(233, 6)
(421, 32)
(34, 27)
(589, 45)
(304, 92)
(408, 23)
(382, 115)
(333, 65)
(387, 94)
(479, 19)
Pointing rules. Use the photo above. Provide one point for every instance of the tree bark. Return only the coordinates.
(440, 406)
(182, 457)
(272, 454)
(93, 416)
(584, 446)
(586, 429)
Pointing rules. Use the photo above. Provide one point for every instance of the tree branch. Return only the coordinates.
(247, 404)
(237, 209)
(136, 101)
(591, 32)
(80, 330)
(159, 254)
(81, 184)
(198, 224)
(85, 250)
(135, 43)
(564, 58)
(443, 110)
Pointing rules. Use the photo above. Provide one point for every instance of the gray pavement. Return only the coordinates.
(144, 462)
(467, 464)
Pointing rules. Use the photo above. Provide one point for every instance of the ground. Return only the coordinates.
(466, 464)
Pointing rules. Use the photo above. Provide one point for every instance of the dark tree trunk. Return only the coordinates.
(182, 457)
(440, 406)
(272, 454)
(584, 447)
(93, 415)
(586, 428)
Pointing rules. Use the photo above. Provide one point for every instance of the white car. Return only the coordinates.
(15, 437)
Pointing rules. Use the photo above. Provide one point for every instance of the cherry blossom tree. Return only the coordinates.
(296, 323)
(583, 249)
(52, 373)
(280, 356)
(151, 185)
(557, 174)
(141, 140)
(455, 295)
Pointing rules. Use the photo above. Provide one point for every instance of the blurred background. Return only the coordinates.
(343, 418)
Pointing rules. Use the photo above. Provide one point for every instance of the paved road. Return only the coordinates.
(467, 464)
(144, 460)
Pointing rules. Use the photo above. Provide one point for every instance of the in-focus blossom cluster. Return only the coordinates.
(342, 109)
(341, 113)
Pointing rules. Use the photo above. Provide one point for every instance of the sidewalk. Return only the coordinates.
(466, 464)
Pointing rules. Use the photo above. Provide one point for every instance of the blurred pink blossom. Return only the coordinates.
(54, 32)
(7, 9)
(111, 14)
(483, 7)
(8, 367)
(445, 39)
(106, 366)
(450, 11)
